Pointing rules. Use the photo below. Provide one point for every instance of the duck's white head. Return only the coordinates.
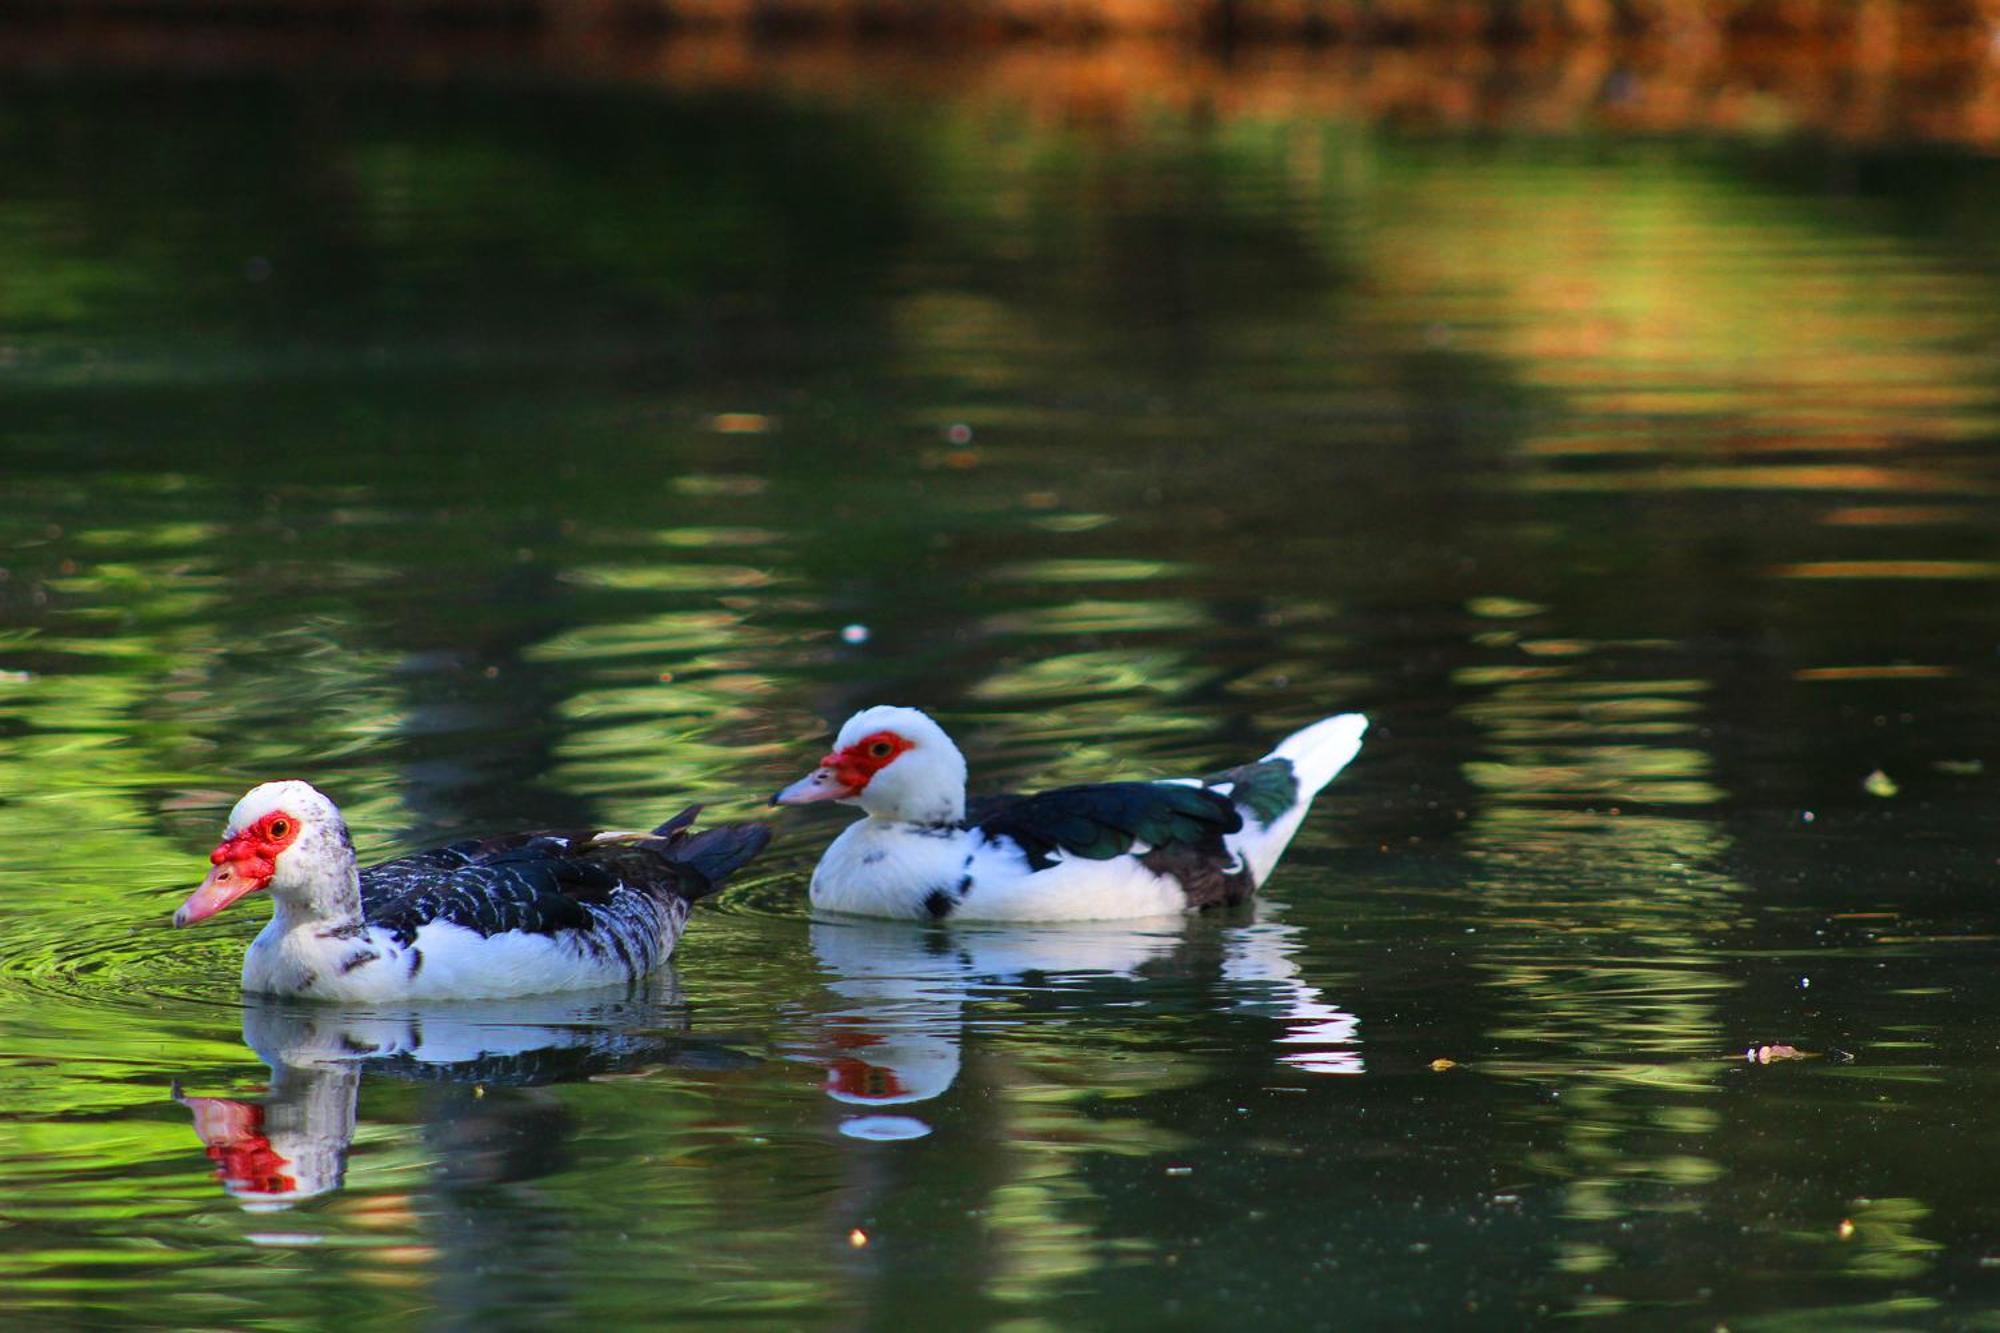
(895, 763)
(286, 837)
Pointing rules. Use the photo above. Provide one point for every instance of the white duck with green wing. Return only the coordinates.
(1095, 852)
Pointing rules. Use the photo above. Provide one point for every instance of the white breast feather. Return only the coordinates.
(881, 868)
(457, 963)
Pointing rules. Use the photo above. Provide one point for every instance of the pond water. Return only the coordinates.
(512, 455)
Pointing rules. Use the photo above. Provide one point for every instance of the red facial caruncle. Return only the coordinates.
(847, 772)
(858, 764)
(244, 863)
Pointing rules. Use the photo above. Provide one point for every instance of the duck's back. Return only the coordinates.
(559, 909)
(536, 883)
(1110, 849)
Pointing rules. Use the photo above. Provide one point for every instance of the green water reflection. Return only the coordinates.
(503, 456)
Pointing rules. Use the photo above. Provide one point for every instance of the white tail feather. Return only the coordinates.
(1320, 751)
(1317, 754)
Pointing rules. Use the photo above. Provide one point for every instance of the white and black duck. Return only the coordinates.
(516, 915)
(1108, 850)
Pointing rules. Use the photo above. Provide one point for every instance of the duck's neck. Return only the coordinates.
(292, 916)
(942, 810)
(324, 888)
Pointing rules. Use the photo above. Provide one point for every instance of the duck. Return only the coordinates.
(1097, 852)
(522, 914)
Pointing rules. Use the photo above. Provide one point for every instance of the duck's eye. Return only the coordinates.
(280, 827)
(881, 749)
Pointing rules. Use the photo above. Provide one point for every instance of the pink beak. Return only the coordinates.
(224, 885)
(822, 784)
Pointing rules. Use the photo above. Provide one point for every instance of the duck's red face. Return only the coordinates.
(846, 773)
(244, 863)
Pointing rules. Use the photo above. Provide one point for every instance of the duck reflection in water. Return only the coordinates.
(911, 995)
(292, 1144)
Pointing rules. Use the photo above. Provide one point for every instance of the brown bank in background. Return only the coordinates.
(1865, 71)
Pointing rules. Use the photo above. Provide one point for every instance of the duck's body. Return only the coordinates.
(507, 916)
(1121, 849)
(519, 915)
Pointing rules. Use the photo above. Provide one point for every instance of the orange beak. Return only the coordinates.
(226, 883)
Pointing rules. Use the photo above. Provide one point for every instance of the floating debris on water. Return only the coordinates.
(1880, 784)
(1504, 608)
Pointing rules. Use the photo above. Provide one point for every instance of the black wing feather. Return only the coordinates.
(1105, 819)
(547, 882)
